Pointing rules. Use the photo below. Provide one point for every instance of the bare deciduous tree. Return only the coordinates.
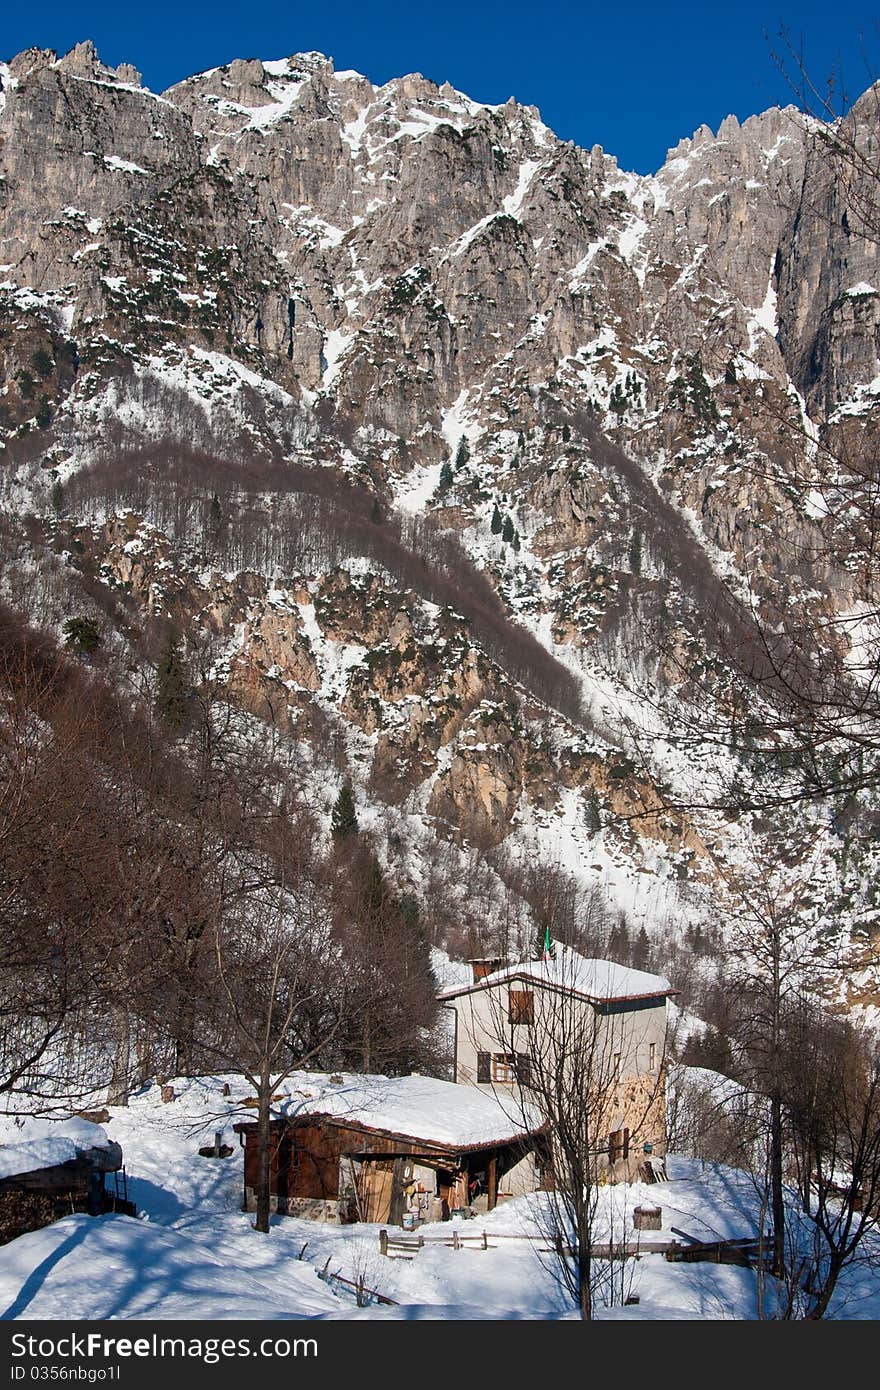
(593, 1073)
(282, 989)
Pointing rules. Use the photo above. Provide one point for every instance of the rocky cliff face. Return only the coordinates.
(605, 388)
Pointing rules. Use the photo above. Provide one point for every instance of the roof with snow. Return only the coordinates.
(421, 1108)
(600, 981)
(62, 1143)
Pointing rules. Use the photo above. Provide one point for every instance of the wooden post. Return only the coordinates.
(492, 1177)
(455, 1244)
(218, 1142)
(383, 1242)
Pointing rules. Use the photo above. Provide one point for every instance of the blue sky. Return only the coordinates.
(632, 78)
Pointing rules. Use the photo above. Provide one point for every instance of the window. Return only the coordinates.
(618, 1145)
(508, 1067)
(652, 1056)
(484, 1067)
(504, 1067)
(521, 1006)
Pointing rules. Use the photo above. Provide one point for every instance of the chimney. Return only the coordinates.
(481, 966)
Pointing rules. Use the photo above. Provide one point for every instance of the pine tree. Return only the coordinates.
(618, 941)
(42, 363)
(410, 913)
(515, 542)
(446, 477)
(57, 497)
(172, 690)
(641, 951)
(343, 818)
(496, 521)
(215, 516)
(463, 454)
(507, 529)
(376, 895)
(592, 814)
(82, 633)
(540, 943)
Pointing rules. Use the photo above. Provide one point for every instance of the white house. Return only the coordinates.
(598, 1025)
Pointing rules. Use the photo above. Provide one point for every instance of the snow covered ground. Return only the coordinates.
(194, 1254)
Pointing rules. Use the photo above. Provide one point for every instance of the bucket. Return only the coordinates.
(409, 1221)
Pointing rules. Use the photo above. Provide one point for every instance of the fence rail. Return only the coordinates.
(404, 1246)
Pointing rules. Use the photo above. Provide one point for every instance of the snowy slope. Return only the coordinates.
(193, 1253)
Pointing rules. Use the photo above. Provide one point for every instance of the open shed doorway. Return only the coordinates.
(381, 1188)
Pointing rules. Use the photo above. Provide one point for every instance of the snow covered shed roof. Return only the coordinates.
(600, 981)
(61, 1143)
(418, 1108)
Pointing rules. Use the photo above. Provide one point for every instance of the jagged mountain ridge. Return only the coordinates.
(282, 259)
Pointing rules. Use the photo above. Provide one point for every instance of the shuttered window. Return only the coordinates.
(524, 1069)
(521, 1006)
(618, 1145)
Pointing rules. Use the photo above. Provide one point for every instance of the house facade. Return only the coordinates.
(533, 1031)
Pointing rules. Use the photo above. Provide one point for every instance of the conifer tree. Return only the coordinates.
(542, 945)
(172, 690)
(496, 521)
(82, 633)
(641, 951)
(215, 516)
(507, 529)
(343, 819)
(446, 478)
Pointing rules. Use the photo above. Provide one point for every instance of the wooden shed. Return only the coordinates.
(373, 1148)
(42, 1180)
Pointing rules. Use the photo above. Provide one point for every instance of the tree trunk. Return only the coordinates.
(777, 1194)
(117, 1091)
(264, 1153)
(823, 1296)
(585, 1293)
(184, 1030)
(584, 1257)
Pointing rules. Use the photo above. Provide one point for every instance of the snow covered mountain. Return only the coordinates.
(444, 431)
